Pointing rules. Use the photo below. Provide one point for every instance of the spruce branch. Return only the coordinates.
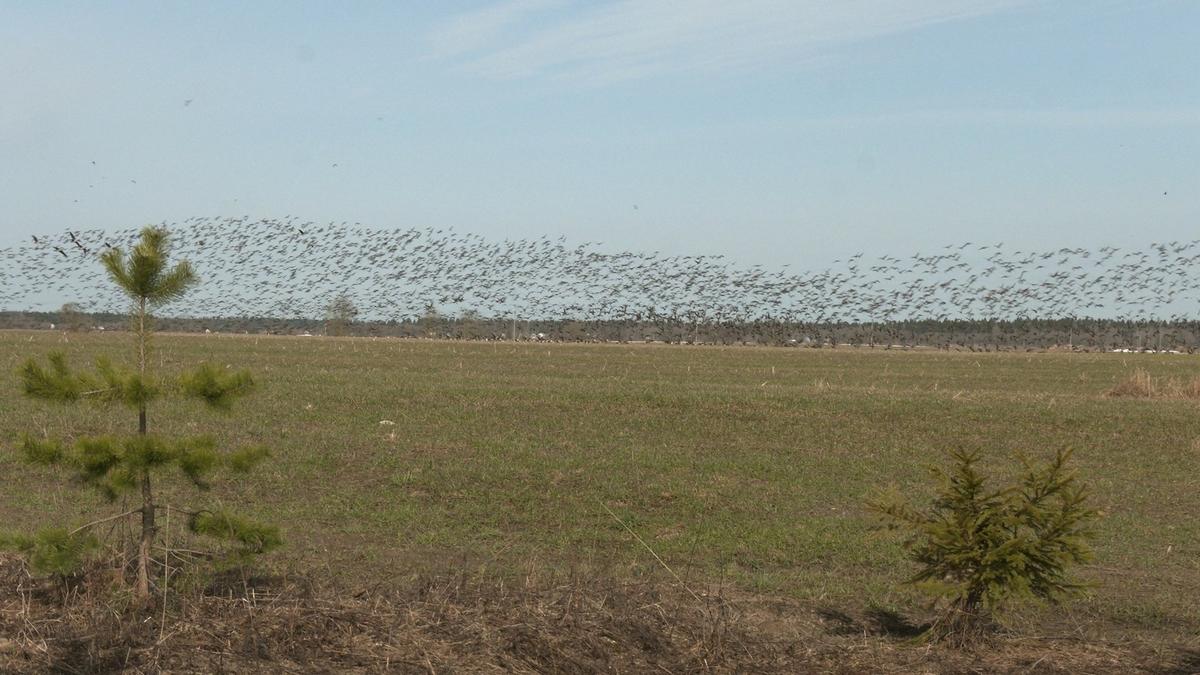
(252, 537)
(142, 275)
(43, 452)
(57, 383)
(52, 550)
(216, 387)
(125, 386)
(245, 459)
(197, 458)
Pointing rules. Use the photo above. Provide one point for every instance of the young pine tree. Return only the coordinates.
(979, 548)
(134, 463)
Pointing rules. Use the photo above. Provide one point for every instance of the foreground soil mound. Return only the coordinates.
(464, 624)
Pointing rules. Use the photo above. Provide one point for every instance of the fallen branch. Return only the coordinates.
(102, 521)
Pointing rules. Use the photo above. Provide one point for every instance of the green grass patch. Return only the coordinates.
(749, 465)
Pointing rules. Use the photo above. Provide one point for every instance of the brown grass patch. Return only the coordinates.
(1141, 384)
(468, 624)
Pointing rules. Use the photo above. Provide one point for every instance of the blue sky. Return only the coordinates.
(771, 131)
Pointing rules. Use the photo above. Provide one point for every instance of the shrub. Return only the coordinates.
(1140, 384)
(979, 548)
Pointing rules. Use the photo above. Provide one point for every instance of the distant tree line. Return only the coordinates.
(973, 335)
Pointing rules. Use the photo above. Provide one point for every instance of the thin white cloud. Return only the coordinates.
(1182, 116)
(629, 39)
(476, 29)
(1099, 117)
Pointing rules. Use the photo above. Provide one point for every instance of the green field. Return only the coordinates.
(742, 466)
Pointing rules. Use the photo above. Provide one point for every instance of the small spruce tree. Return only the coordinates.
(979, 548)
(116, 466)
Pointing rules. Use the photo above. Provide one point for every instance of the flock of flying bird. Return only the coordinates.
(288, 268)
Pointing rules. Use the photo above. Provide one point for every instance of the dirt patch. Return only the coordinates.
(464, 624)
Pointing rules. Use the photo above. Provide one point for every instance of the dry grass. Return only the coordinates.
(474, 624)
(1141, 384)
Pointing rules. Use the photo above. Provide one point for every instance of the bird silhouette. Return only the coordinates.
(971, 295)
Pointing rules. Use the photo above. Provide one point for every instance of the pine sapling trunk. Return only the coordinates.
(143, 582)
(147, 540)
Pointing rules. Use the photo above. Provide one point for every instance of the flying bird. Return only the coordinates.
(290, 268)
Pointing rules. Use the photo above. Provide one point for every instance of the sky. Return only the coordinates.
(771, 131)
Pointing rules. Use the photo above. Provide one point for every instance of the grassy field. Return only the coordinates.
(739, 466)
